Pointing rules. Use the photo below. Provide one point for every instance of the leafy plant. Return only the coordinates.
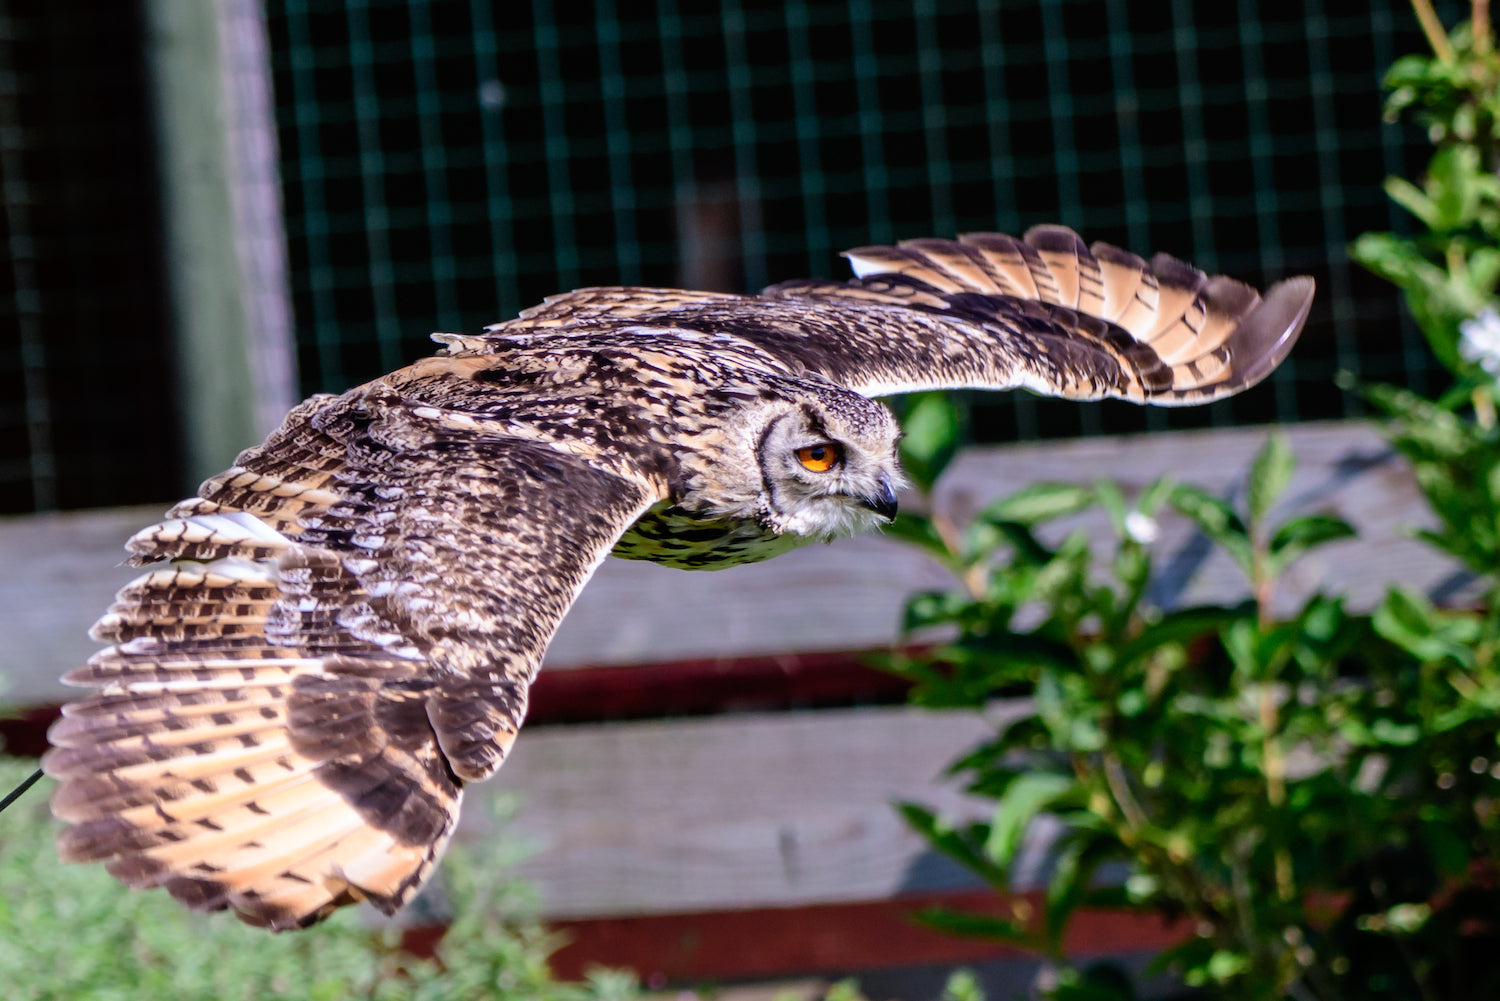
(1304, 797)
(70, 932)
(1450, 268)
(1449, 271)
(1314, 800)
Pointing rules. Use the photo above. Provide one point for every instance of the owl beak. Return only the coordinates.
(884, 502)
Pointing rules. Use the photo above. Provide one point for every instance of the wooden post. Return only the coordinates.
(226, 258)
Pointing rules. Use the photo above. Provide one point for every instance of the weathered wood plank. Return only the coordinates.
(732, 811)
(868, 936)
(847, 596)
(61, 572)
(225, 248)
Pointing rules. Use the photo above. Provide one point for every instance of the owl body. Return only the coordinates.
(339, 632)
(689, 404)
(678, 538)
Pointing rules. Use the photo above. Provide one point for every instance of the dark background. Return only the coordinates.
(446, 164)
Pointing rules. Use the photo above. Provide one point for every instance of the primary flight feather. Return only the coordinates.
(339, 632)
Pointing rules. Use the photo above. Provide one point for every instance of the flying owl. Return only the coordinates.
(338, 633)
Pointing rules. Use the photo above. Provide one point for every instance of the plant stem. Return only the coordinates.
(1433, 29)
(1484, 409)
(972, 576)
(1274, 763)
(1119, 787)
(1480, 23)
(1275, 771)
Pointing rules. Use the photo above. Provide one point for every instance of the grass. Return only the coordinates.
(72, 932)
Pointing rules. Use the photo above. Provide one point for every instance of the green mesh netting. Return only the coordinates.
(86, 410)
(447, 164)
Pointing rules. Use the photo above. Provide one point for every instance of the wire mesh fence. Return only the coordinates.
(448, 164)
(86, 415)
(445, 164)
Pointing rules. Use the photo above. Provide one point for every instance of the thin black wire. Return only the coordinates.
(19, 790)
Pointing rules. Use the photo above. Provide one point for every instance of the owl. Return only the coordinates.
(337, 635)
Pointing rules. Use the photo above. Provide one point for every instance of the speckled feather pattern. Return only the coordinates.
(339, 632)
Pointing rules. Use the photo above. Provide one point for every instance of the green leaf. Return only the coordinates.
(1181, 626)
(941, 835)
(970, 925)
(1100, 982)
(1453, 186)
(1387, 731)
(1224, 965)
(919, 530)
(1297, 536)
(1025, 797)
(1077, 859)
(1112, 499)
(932, 426)
(1449, 849)
(1155, 494)
(1029, 550)
(933, 608)
(1407, 620)
(1413, 199)
(1040, 502)
(1269, 475)
(1217, 520)
(962, 985)
(1484, 269)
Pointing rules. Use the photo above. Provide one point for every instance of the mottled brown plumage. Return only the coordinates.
(339, 632)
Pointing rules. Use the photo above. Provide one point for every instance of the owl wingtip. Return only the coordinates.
(1273, 326)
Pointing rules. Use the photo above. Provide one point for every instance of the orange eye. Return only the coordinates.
(820, 458)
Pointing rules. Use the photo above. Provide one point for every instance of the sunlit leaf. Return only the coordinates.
(932, 426)
(941, 835)
(1039, 502)
(1181, 626)
(1027, 796)
(1295, 537)
(1270, 472)
(919, 530)
(971, 925)
(1217, 520)
(1413, 199)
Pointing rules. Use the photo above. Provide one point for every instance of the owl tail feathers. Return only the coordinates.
(241, 775)
(1192, 338)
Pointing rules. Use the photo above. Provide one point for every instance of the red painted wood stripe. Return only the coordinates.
(698, 687)
(827, 938)
(24, 734)
(641, 691)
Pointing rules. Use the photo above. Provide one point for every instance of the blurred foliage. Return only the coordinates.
(1449, 271)
(69, 932)
(1450, 267)
(1307, 798)
(962, 985)
(1314, 799)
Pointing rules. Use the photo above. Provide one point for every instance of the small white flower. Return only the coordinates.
(1480, 341)
(1141, 527)
(492, 95)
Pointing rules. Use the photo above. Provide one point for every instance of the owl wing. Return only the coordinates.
(344, 636)
(1044, 312)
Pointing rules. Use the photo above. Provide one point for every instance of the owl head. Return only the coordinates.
(827, 464)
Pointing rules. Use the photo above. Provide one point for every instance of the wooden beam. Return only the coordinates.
(225, 249)
(829, 938)
(751, 810)
(843, 597)
(64, 569)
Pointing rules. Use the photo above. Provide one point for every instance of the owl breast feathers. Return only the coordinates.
(339, 632)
